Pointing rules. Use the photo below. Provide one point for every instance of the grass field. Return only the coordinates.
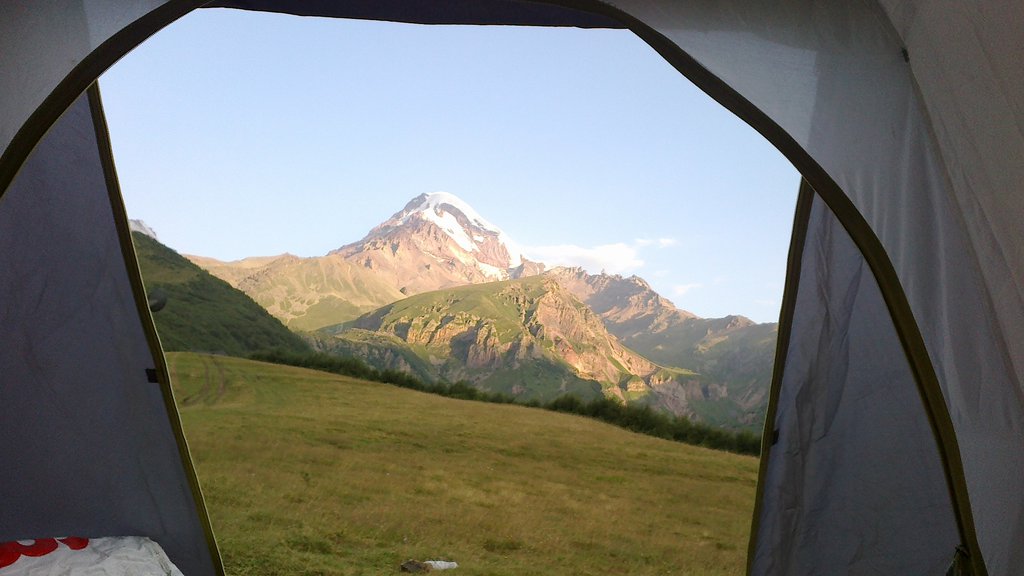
(309, 473)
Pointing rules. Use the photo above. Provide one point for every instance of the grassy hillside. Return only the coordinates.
(528, 338)
(309, 473)
(494, 335)
(204, 313)
(382, 351)
(306, 293)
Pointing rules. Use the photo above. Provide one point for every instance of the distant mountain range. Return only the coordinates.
(436, 241)
(440, 292)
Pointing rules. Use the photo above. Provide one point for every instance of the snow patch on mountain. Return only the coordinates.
(141, 227)
(437, 241)
(492, 271)
(441, 208)
(448, 223)
(515, 252)
(436, 200)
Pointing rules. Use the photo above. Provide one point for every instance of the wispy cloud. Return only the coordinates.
(659, 242)
(682, 289)
(618, 258)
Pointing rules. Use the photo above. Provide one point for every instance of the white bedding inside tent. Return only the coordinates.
(115, 556)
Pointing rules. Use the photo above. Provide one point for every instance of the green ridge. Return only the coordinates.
(203, 313)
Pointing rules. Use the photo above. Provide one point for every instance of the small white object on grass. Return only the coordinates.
(441, 564)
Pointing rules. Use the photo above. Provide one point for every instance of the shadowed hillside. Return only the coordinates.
(204, 313)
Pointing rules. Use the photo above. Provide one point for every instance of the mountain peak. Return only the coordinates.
(438, 241)
(457, 219)
(441, 202)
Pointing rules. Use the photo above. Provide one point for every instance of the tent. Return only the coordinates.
(894, 441)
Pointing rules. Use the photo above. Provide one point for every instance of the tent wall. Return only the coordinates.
(967, 62)
(836, 80)
(854, 483)
(968, 67)
(89, 447)
(52, 51)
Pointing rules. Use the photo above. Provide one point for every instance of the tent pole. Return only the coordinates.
(801, 219)
(149, 327)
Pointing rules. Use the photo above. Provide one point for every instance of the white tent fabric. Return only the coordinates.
(88, 449)
(906, 117)
(855, 484)
(42, 43)
(836, 79)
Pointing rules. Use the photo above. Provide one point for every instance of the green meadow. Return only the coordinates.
(308, 473)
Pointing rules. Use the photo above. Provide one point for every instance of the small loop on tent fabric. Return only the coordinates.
(151, 376)
(961, 565)
(906, 55)
(775, 437)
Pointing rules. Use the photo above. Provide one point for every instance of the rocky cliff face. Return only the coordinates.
(734, 355)
(530, 338)
(625, 304)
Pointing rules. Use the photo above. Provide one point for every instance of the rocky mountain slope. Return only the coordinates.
(436, 241)
(438, 291)
(733, 353)
(529, 338)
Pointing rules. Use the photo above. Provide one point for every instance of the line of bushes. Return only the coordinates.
(634, 417)
(641, 418)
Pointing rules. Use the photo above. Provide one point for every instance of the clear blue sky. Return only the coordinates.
(240, 134)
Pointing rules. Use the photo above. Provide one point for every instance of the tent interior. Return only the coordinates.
(894, 435)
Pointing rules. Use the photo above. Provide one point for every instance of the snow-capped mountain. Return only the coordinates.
(399, 299)
(470, 231)
(438, 241)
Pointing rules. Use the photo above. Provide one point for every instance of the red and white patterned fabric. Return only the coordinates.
(121, 556)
